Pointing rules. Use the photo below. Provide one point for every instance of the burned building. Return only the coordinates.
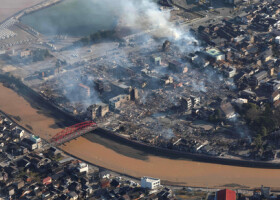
(111, 90)
(186, 103)
(119, 88)
(134, 95)
(25, 53)
(156, 60)
(99, 110)
(46, 73)
(85, 89)
(117, 101)
(167, 80)
(195, 101)
(102, 86)
(177, 66)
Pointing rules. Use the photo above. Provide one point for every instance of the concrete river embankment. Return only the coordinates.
(109, 151)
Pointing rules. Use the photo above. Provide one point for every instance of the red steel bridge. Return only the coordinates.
(72, 132)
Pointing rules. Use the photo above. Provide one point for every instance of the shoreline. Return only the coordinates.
(173, 154)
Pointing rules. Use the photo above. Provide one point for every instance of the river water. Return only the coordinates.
(126, 159)
(81, 17)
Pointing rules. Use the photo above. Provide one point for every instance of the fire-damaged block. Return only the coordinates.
(177, 66)
(98, 110)
(134, 94)
(117, 101)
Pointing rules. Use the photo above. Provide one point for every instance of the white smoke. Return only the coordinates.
(69, 84)
(143, 15)
(140, 15)
(198, 86)
(167, 134)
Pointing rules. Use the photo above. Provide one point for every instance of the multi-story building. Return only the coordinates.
(151, 183)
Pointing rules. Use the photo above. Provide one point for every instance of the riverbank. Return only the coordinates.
(173, 154)
(137, 163)
(65, 119)
(105, 152)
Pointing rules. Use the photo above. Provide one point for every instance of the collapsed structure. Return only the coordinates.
(155, 83)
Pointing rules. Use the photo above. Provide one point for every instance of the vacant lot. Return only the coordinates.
(9, 8)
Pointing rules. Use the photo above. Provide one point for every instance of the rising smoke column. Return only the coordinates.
(140, 15)
(143, 15)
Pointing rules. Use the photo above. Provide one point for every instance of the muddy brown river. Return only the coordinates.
(125, 159)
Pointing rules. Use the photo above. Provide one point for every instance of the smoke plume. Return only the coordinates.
(143, 15)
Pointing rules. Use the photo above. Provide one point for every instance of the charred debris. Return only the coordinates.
(207, 91)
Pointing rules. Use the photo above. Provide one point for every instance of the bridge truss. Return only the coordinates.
(72, 132)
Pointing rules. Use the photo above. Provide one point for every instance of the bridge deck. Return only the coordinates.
(73, 132)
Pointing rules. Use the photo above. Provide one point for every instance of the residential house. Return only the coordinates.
(226, 194)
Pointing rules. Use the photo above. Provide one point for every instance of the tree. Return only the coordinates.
(216, 116)
(258, 141)
(246, 107)
(268, 111)
(252, 115)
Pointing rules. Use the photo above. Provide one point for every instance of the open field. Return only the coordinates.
(9, 8)
(125, 159)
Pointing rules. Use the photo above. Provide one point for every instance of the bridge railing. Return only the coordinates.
(72, 132)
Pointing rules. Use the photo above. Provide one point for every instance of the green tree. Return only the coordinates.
(252, 115)
(268, 111)
(258, 141)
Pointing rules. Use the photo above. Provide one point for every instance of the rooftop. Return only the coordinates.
(214, 52)
(149, 179)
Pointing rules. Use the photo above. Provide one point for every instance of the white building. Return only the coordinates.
(239, 102)
(277, 40)
(216, 54)
(83, 167)
(104, 174)
(35, 138)
(18, 132)
(151, 183)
